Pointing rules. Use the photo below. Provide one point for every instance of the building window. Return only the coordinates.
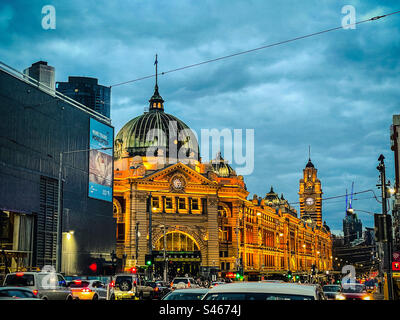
(120, 232)
(182, 203)
(168, 203)
(195, 204)
(155, 203)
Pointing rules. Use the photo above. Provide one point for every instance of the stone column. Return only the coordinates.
(212, 230)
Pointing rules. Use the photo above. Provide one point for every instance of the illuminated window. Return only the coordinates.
(155, 203)
(177, 241)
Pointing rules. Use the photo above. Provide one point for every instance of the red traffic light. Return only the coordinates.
(133, 270)
(93, 267)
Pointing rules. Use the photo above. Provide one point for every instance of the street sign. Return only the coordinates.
(396, 266)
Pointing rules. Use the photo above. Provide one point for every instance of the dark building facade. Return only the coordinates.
(87, 91)
(36, 125)
(352, 227)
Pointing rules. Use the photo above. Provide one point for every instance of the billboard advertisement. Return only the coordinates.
(101, 161)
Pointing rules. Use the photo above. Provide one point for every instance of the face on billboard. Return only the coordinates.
(100, 161)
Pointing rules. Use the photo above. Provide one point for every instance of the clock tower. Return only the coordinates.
(310, 193)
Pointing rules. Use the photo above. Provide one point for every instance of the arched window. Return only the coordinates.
(177, 241)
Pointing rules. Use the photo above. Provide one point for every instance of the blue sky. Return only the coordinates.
(336, 92)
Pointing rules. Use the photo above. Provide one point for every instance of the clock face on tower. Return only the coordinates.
(309, 201)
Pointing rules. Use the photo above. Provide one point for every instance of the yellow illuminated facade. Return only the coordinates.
(202, 215)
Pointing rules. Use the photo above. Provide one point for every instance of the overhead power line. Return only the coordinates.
(254, 49)
(342, 196)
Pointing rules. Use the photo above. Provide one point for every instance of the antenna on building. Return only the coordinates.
(351, 196)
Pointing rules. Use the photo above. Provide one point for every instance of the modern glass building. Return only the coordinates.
(36, 126)
(88, 92)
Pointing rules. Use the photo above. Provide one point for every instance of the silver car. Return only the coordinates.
(45, 285)
(16, 293)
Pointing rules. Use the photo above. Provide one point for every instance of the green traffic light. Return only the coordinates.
(148, 263)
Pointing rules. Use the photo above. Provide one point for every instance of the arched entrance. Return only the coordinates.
(182, 255)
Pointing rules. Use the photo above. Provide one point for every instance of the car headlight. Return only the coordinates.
(367, 298)
(340, 297)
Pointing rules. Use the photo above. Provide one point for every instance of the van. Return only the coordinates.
(45, 285)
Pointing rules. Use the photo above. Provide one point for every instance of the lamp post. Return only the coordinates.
(60, 206)
(150, 207)
(387, 242)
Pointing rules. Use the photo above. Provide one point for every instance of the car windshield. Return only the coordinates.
(255, 296)
(177, 280)
(20, 280)
(331, 288)
(184, 296)
(79, 284)
(353, 289)
(16, 293)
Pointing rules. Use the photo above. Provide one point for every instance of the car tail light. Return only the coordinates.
(19, 274)
(172, 284)
(35, 292)
(112, 284)
(189, 284)
(86, 290)
(156, 289)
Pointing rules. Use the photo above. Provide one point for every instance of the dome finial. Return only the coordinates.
(156, 101)
(156, 64)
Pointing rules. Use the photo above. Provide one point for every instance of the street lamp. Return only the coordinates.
(59, 204)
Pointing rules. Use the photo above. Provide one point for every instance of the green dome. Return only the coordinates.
(152, 129)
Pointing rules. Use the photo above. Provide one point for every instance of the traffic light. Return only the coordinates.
(149, 260)
(289, 275)
(239, 274)
(379, 223)
(297, 278)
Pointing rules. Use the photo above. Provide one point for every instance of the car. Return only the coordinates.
(186, 294)
(183, 283)
(332, 290)
(129, 286)
(17, 293)
(265, 291)
(159, 289)
(216, 283)
(370, 285)
(88, 290)
(45, 285)
(355, 291)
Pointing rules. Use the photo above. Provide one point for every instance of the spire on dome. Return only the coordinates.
(156, 101)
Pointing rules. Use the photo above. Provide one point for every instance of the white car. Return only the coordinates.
(183, 283)
(88, 290)
(265, 291)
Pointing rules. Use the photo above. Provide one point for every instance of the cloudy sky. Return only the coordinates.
(336, 92)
